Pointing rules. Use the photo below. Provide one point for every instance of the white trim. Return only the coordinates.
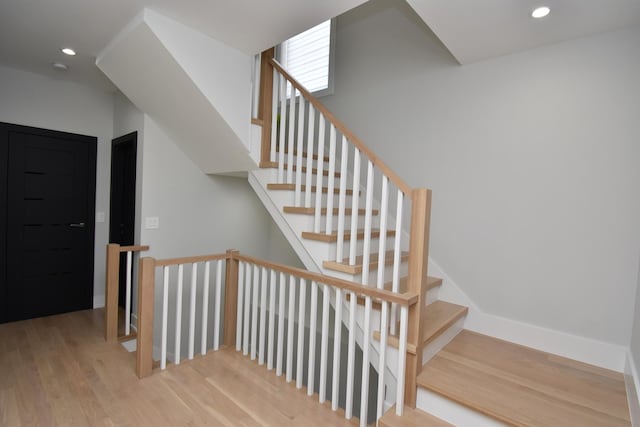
(98, 301)
(598, 353)
(452, 412)
(632, 384)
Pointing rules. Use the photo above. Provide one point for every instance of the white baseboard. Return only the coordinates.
(98, 301)
(593, 352)
(632, 383)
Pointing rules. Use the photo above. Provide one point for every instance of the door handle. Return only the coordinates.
(77, 225)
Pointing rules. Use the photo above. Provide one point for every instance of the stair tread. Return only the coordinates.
(304, 155)
(323, 211)
(438, 317)
(523, 386)
(411, 417)
(314, 171)
(292, 187)
(428, 284)
(333, 237)
(357, 268)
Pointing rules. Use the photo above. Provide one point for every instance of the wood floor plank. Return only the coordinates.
(59, 371)
(525, 387)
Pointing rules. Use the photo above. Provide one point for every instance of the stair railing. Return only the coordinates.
(298, 129)
(115, 253)
(262, 303)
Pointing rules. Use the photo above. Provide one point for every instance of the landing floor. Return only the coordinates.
(58, 371)
(526, 387)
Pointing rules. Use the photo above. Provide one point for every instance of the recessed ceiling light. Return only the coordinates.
(68, 51)
(540, 12)
(59, 66)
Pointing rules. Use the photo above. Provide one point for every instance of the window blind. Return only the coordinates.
(306, 57)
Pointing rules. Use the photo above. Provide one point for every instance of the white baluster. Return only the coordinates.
(382, 367)
(395, 280)
(337, 340)
(205, 308)
(299, 150)
(382, 244)
(331, 178)
(366, 334)
(218, 302)
(291, 141)
(254, 312)
(283, 128)
(366, 254)
(263, 316)
(342, 198)
(165, 315)
(127, 308)
(291, 321)
(192, 310)
(272, 317)
(310, 150)
(247, 310)
(324, 343)
(239, 315)
(281, 304)
(274, 117)
(319, 174)
(301, 329)
(179, 314)
(311, 368)
(402, 359)
(351, 355)
(354, 208)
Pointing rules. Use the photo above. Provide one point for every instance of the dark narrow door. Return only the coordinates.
(122, 212)
(50, 203)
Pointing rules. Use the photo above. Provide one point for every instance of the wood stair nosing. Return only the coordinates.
(292, 187)
(323, 211)
(411, 417)
(428, 284)
(437, 318)
(344, 266)
(314, 171)
(333, 237)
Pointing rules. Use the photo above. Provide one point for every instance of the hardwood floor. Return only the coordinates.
(525, 387)
(58, 371)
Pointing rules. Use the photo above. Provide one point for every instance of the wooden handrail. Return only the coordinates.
(408, 299)
(386, 170)
(138, 248)
(190, 259)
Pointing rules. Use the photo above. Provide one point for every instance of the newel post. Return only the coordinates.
(230, 299)
(265, 106)
(418, 262)
(111, 292)
(146, 285)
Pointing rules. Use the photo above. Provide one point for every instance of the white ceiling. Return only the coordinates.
(32, 31)
(474, 30)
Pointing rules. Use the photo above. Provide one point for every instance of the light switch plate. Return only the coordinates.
(99, 216)
(151, 222)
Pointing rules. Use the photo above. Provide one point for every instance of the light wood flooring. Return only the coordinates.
(58, 371)
(525, 387)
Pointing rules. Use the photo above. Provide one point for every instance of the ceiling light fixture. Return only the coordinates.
(68, 51)
(540, 12)
(59, 66)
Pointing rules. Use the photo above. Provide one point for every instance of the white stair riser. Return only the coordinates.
(453, 412)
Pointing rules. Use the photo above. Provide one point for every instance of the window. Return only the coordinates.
(308, 57)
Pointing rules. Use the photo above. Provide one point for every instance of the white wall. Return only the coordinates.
(635, 336)
(34, 100)
(532, 159)
(199, 213)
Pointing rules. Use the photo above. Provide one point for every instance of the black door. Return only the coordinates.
(48, 193)
(122, 211)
